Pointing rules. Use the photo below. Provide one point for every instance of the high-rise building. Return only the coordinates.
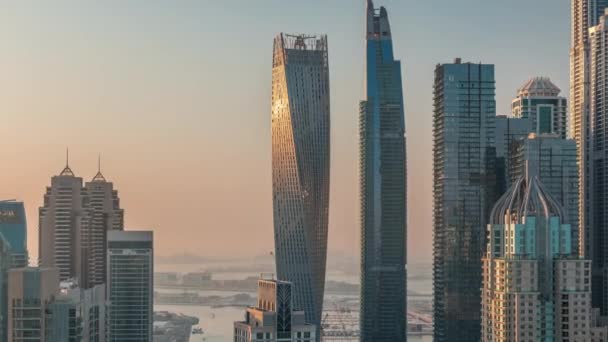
(130, 288)
(553, 160)
(589, 139)
(5, 264)
(64, 222)
(106, 215)
(535, 285)
(13, 227)
(383, 188)
(509, 131)
(30, 294)
(300, 166)
(464, 190)
(274, 319)
(538, 101)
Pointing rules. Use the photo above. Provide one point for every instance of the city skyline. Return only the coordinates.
(44, 88)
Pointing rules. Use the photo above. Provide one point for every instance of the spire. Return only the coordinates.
(99, 177)
(67, 171)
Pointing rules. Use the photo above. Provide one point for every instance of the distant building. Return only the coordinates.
(64, 222)
(5, 265)
(274, 319)
(535, 286)
(130, 287)
(31, 291)
(464, 190)
(509, 131)
(300, 120)
(13, 226)
(105, 215)
(538, 101)
(196, 278)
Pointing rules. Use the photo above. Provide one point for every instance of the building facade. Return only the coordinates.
(5, 264)
(63, 227)
(13, 226)
(535, 285)
(300, 166)
(275, 318)
(106, 215)
(383, 188)
(553, 160)
(464, 177)
(592, 205)
(509, 131)
(130, 288)
(31, 291)
(538, 101)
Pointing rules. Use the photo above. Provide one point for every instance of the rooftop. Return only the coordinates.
(538, 86)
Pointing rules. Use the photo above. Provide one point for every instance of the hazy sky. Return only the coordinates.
(176, 97)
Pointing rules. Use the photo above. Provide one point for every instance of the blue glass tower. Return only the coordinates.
(13, 227)
(383, 185)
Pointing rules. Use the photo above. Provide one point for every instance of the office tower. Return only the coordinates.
(300, 166)
(592, 205)
(535, 285)
(553, 160)
(106, 215)
(538, 100)
(383, 188)
(274, 319)
(597, 164)
(464, 190)
(64, 221)
(5, 264)
(13, 227)
(77, 314)
(30, 292)
(130, 287)
(509, 131)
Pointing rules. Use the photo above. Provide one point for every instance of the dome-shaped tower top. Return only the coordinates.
(526, 197)
(538, 86)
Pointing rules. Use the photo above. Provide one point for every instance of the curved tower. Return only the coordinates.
(300, 166)
(383, 188)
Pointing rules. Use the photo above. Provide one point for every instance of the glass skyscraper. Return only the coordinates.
(464, 191)
(300, 166)
(13, 227)
(383, 188)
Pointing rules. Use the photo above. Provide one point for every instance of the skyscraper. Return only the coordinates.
(130, 287)
(553, 160)
(383, 188)
(13, 227)
(592, 196)
(106, 215)
(64, 222)
(300, 166)
(274, 319)
(464, 189)
(538, 101)
(535, 285)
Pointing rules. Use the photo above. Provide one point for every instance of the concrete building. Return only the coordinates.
(31, 291)
(587, 127)
(535, 286)
(553, 159)
(130, 288)
(274, 319)
(538, 101)
(464, 123)
(105, 215)
(383, 188)
(13, 226)
(300, 166)
(64, 221)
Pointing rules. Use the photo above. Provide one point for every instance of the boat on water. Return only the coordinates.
(197, 331)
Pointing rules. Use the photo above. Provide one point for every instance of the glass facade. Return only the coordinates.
(300, 166)
(383, 188)
(13, 227)
(464, 189)
(130, 285)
